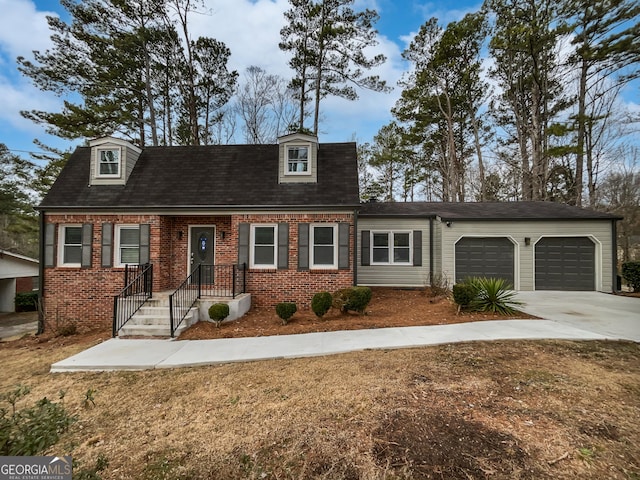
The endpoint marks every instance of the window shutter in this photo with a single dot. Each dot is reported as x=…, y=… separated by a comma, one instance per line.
x=87, y=240
x=49, y=245
x=343, y=245
x=417, y=248
x=243, y=243
x=107, y=245
x=283, y=246
x=145, y=243
x=303, y=246
x=365, y=248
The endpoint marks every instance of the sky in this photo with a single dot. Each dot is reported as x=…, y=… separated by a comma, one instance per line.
x=251, y=30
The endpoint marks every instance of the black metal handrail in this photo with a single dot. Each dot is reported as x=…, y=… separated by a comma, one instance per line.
x=209, y=281
x=133, y=296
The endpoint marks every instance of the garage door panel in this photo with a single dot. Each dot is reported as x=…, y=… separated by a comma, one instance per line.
x=565, y=263
x=484, y=257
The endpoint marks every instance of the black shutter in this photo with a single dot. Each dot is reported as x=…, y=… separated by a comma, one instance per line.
x=303, y=246
x=417, y=248
x=107, y=245
x=243, y=243
x=49, y=245
x=87, y=240
x=145, y=243
x=343, y=245
x=283, y=246
x=365, y=248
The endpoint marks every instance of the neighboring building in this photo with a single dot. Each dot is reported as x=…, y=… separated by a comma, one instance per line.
x=18, y=274
x=290, y=212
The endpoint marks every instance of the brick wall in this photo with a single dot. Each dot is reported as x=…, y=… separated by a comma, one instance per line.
x=85, y=295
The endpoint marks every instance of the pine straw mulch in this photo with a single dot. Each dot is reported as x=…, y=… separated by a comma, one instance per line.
x=389, y=307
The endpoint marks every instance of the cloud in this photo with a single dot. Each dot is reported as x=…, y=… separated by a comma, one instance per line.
x=23, y=28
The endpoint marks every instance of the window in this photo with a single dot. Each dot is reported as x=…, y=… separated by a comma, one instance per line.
x=70, y=245
x=263, y=246
x=323, y=246
x=109, y=162
x=391, y=248
x=127, y=245
x=297, y=160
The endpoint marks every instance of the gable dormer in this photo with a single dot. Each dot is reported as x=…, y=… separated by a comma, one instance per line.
x=112, y=161
x=298, y=158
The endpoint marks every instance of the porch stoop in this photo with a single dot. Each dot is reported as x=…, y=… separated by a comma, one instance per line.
x=154, y=320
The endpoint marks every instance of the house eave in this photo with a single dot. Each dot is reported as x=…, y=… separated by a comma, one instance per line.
x=193, y=208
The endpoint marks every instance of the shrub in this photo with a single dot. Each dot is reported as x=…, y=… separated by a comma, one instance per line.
x=631, y=273
x=353, y=299
x=463, y=294
x=30, y=431
x=26, y=302
x=321, y=303
x=493, y=295
x=285, y=311
x=218, y=312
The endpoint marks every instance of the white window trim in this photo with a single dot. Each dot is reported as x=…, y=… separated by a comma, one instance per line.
x=312, y=265
x=252, y=245
x=390, y=235
x=286, y=159
x=117, y=261
x=108, y=175
x=61, y=235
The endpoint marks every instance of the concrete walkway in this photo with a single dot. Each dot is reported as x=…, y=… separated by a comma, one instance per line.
x=566, y=315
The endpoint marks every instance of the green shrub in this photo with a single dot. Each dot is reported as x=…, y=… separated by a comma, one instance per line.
x=30, y=431
x=353, y=299
x=285, y=311
x=493, y=295
x=321, y=303
x=26, y=302
x=218, y=312
x=631, y=273
x=463, y=294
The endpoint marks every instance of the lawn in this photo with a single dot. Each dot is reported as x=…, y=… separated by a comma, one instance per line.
x=494, y=410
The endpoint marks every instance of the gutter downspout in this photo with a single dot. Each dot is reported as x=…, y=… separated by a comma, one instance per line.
x=614, y=256
x=355, y=247
x=41, y=275
x=431, y=272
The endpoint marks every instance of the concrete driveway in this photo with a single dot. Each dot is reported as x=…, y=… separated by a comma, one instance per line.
x=614, y=316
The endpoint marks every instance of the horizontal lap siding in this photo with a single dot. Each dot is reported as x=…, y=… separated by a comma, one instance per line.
x=394, y=275
x=518, y=230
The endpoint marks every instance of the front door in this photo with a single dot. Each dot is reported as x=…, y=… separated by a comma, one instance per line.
x=202, y=248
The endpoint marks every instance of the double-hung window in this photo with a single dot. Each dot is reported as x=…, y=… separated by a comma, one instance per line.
x=297, y=160
x=324, y=246
x=391, y=248
x=70, y=250
x=109, y=162
x=264, y=246
x=127, y=245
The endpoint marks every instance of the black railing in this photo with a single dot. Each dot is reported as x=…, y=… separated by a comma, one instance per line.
x=209, y=281
x=135, y=293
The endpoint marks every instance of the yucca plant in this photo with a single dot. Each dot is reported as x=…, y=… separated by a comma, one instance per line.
x=494, y=295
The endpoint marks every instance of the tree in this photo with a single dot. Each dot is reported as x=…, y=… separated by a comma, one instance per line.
x=328, y=39
x=606, y=37
x=388, y=156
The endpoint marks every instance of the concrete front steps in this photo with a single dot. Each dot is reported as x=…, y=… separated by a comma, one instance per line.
x=153, y=318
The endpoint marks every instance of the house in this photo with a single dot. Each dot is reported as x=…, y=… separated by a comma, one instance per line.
x=18, y=274
x=280, y=222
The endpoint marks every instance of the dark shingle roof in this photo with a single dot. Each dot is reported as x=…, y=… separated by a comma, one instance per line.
x=483, y=211
x=217, y=176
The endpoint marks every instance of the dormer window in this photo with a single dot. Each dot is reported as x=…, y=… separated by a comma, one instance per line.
x=109, y=162
x=297, y=160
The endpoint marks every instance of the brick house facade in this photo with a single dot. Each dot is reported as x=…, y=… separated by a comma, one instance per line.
x=240, y=193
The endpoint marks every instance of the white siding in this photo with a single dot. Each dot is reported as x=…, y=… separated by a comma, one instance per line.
x=394, y=275
x=598, y=230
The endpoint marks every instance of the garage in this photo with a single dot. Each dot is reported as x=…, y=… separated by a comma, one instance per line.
x=484, y=257
x=565, y=263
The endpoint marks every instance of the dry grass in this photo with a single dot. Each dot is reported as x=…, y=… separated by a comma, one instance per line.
x=496, y=410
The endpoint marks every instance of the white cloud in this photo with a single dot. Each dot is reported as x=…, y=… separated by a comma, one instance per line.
x=23, y=28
